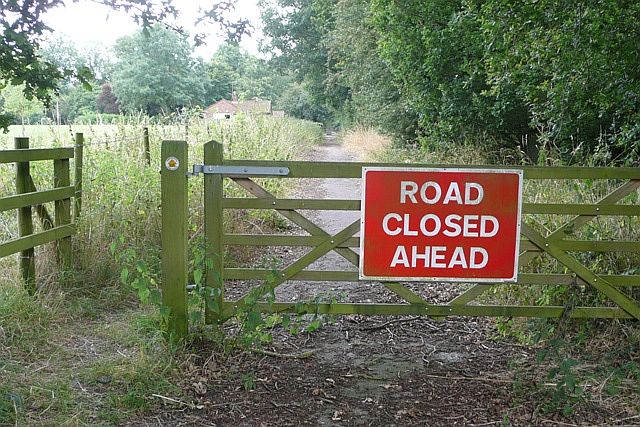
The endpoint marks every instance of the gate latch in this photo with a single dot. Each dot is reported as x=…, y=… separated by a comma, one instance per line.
x=237, y=171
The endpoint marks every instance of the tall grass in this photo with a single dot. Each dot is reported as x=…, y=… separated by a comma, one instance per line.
x=119, y=229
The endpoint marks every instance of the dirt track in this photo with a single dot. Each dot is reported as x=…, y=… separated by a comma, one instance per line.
x=366, y=371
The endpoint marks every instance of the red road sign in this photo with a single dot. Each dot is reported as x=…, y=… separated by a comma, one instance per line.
x=459, y=225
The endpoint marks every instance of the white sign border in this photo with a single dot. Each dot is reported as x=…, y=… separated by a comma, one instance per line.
x=512, y=279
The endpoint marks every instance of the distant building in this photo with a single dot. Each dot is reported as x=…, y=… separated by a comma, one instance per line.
x=225, y=109
x=278, y=113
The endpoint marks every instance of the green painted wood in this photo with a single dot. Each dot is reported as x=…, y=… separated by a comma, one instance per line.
x=405, y=293
x=567, y=279
x=309, y=169
x=304, y=261
x=37, y=198
x=580, y=209
x=622, y=300
x=295, y=217
x=62, y=178
x=282, y=240
x=305, y=275
x=471, y=294
x=213, y=231
x=77, y=177
x=41, y=210
x=531, y=279
x=354, y=205
x=442, y=310
x=37, y=239
x=35, y=154
x=25, y=221
x=147, y=146
x=174, y=236
x=311, y=204
x=586, y=246
x=579, y=221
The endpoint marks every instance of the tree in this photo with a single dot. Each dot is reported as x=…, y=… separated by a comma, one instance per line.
x=23, y=32
x=107, y=101
x=233, y=70
x=297, y=36
x=16, y=104
x=157, y=73
x=374, y=98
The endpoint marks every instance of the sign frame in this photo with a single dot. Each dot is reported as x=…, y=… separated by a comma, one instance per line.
x=512, y=279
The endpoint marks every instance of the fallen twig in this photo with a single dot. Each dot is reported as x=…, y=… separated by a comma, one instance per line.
x=304, y=355
x=391, y=322
x=172, y=400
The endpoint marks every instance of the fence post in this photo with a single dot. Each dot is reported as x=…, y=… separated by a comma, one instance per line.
x=174, y=201
x=78, y=156
x=25, y=220
x=62, y=178
x=147, y=148
x=213, y=230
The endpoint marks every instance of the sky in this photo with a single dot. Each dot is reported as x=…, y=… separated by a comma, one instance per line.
x=86, y=23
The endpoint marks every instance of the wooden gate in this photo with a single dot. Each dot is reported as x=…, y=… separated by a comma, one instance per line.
x=617, y=288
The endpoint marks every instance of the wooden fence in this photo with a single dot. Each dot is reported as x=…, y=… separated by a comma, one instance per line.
x=60, y=228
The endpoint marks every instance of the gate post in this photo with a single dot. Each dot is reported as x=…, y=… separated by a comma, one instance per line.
x=213, y=231
x=25, y=220
x=174, y=166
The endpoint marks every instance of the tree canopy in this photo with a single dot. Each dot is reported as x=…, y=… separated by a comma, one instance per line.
x=156, y=72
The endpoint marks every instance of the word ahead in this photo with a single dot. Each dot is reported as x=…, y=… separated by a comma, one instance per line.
x=440, y=224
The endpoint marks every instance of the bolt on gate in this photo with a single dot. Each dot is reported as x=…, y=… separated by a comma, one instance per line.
x=618, y=289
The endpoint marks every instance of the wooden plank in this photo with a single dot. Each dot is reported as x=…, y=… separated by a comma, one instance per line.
x=310, y=169
x=282, y=240
x=598, y=282
x=147, y=146
x=305, y=275
x=586, y=246
x=311, y=204
x=174, y=235
x=354, y=242
x=62, y=178
x=41, y=210
x=25, y=221
x=405, y=293
x=35, y=198
x=301, y=263
x=580, y=220
x=526, y=279
x=471, y=294
x=295, y=217
x=37, y=239
x=442, y=310
x=580, y=209
x=213, y=231
x=77, y=176
x=354, y=205
x=35, y=154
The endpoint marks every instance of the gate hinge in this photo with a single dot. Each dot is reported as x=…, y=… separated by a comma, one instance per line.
x=235, y=171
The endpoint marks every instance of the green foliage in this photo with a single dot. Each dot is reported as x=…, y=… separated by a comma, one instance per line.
x=374, y=99
x=156, y=72
x=16, y=104
x=524, y=72
x=297, y=32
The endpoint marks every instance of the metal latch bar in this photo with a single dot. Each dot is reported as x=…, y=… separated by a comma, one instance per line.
x=240, y=170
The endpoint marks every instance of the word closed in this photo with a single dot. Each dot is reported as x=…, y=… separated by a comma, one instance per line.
x=440, y=224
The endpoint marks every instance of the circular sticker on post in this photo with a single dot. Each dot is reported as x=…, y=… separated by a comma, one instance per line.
x=172, y=163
